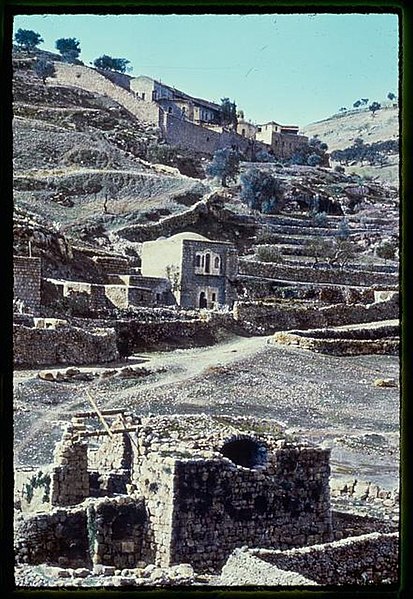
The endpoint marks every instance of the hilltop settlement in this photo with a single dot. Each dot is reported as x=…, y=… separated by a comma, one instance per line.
x=205, y=339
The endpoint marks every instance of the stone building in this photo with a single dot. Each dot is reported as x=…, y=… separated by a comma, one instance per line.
x=246, y=129
x=283, y=139
x=177, y=489
x=27, y=279
x=175, y=102
x=202, y=272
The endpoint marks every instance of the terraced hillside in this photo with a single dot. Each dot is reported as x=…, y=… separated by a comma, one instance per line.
x=80, y=156
x=86, y=179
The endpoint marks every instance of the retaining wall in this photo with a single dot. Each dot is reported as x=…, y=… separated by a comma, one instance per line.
x=272, y=270
x=272, y=317
x=64, y=345
x=182, y=133
x=362, y=560
x=91, y=80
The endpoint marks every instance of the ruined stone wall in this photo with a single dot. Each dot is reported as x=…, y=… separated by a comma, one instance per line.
x=154, y=477
x=113, y=453
x=70, y=478
x=91, y=80
x=274, y=270
x=273, y=317
x=27, y=277
x=58, y=538
x=220, y=506
x=362, y=560
x=118, y=532
x=65, y=345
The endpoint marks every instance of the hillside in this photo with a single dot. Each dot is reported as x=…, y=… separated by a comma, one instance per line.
x=340, y=130
x=91, y=175
x=80, y=154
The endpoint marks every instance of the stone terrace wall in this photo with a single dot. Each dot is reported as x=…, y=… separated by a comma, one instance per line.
x=383, y=340
x=27, y=277
x=366, y=559
x=137, y=335
x=92, y=81
x=272, y=317
x=272, y=270
x=220, y=506
x=65, y=345
x=259, y=288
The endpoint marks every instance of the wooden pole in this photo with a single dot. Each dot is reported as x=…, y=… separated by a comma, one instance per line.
x=103, y=421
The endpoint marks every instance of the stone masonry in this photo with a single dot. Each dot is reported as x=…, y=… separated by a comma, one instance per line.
x=199, y=487
x=27, y=277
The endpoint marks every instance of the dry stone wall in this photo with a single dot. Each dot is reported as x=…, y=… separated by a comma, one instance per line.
x=64, y=345
x=59, y=537
x=92, y=81
x=272, y=317
x=27, y=277
x=118, y=532
x=363, y=560
x=220, y=506
x=378, y=340
x=70, y=478
x=274, y=270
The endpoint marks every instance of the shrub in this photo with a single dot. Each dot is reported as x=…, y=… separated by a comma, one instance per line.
x=162, y=154
x=224, y=165
x=386, y=250
x=261, y=191
x=268, y=253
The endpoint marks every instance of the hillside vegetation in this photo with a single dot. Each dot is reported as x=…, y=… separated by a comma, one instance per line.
x=341, y=130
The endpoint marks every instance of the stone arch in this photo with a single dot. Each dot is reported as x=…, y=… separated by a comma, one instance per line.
x=245, y=451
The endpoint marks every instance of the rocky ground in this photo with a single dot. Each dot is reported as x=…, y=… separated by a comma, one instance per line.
x=326, y=399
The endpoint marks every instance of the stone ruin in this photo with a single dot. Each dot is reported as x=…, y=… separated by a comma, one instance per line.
x=171, y=490
x=211, y=494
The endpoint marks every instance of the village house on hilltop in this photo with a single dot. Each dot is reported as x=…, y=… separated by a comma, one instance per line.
x=176, y=102
x=281, y=140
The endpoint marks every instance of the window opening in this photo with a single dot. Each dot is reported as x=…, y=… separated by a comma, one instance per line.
x=208, y=263
x=245, y=452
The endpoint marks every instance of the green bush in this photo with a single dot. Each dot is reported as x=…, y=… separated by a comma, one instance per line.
x=268, y=253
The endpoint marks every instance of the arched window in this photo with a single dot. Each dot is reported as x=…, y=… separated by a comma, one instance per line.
x=208, y=263
x=198, y=260
x=217, y=262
